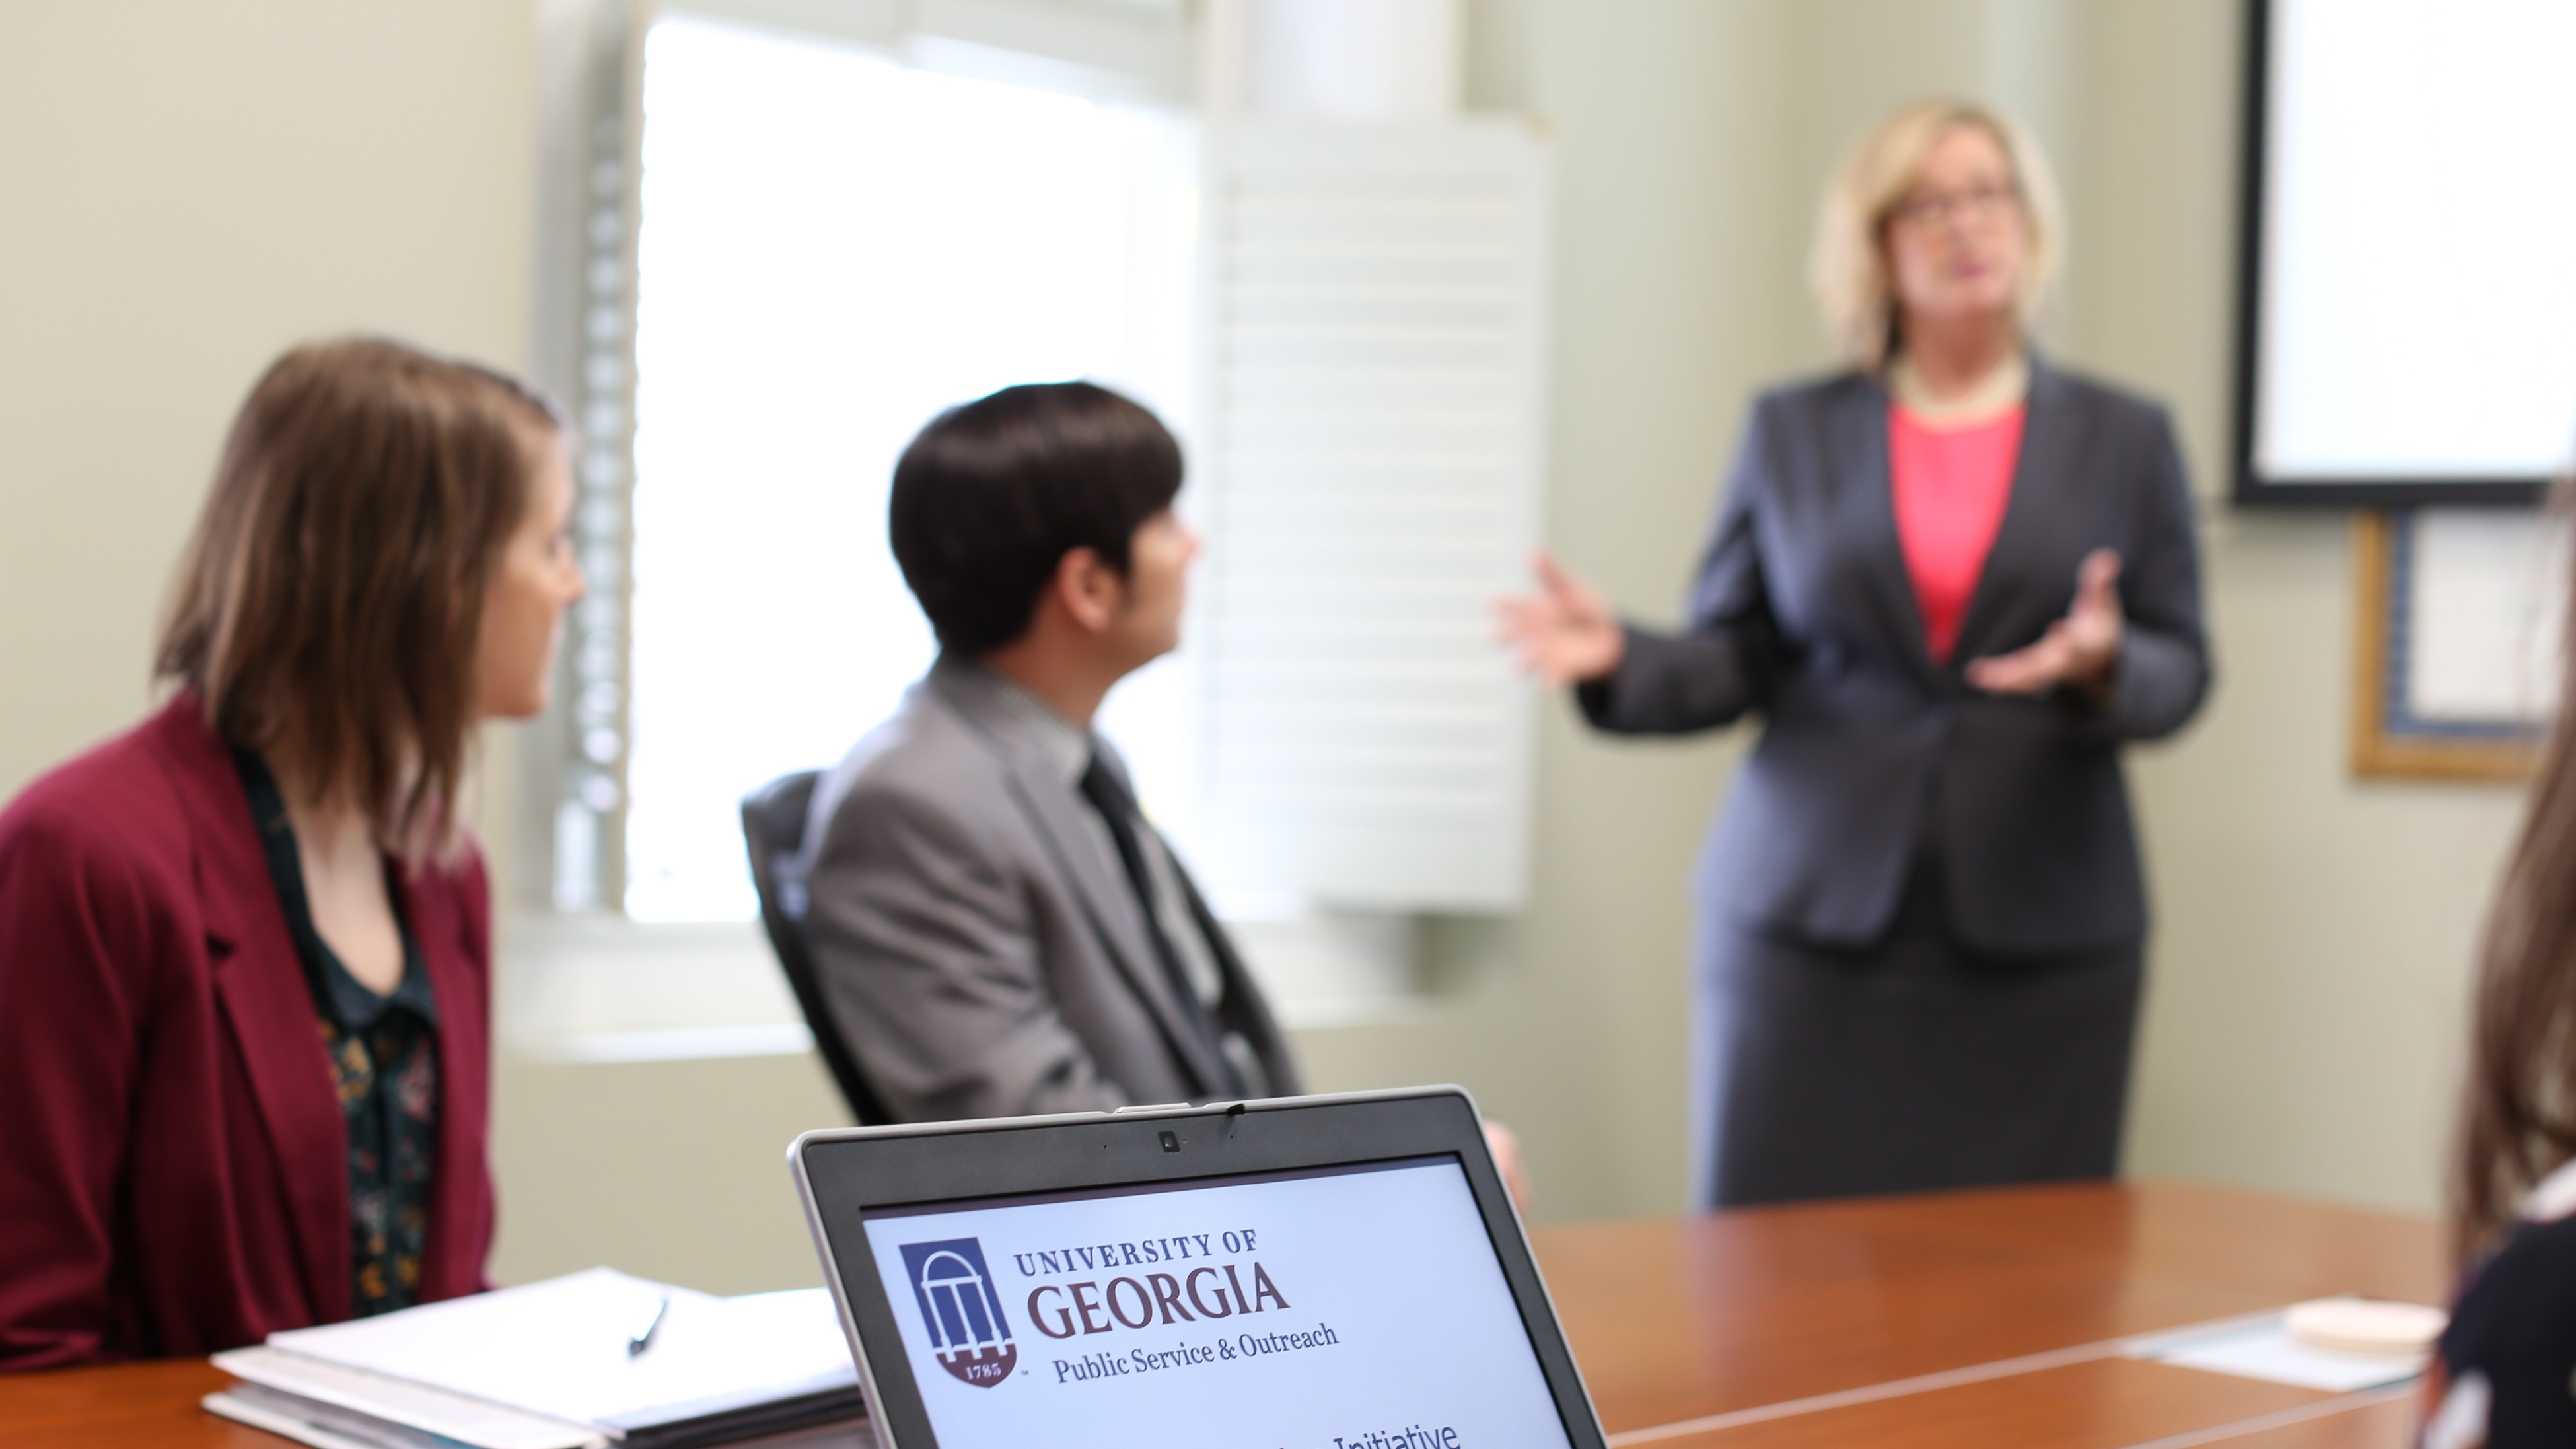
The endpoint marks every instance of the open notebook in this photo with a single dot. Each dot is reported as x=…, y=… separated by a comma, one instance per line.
x=546, y=1366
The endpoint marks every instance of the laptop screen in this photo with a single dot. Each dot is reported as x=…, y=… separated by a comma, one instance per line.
x=1350, y=1307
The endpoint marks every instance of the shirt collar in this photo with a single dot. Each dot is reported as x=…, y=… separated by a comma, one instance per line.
x=338, y=995
x=2004, y=389
x=1063, y=745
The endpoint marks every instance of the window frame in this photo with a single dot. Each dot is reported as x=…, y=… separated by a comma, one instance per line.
x=575, y=993
x=570, y=765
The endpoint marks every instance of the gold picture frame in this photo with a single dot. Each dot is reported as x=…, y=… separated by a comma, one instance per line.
x=2386, y=744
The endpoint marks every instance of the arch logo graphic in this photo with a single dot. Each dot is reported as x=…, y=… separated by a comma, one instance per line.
x=961, y=1309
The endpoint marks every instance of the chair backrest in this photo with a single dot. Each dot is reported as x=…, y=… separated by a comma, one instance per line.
x=773, y=826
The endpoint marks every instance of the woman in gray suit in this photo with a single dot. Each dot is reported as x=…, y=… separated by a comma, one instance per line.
x=1954, y=580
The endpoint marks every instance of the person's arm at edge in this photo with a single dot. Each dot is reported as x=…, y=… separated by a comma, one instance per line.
x=1723, y=664
x=2163, y=670
x=929, y=968
x=473, y=878
x=74, y=921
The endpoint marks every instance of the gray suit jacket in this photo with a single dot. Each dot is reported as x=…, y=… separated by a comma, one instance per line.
x=1871, y=751
x=980, y=953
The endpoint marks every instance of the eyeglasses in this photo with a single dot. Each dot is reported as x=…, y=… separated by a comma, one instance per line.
x=1977, y=203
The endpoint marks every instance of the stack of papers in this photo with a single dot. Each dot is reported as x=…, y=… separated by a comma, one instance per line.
x=2260, y=1347
x=546, y=1366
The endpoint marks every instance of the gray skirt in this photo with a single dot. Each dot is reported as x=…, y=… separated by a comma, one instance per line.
x=1912, y=1064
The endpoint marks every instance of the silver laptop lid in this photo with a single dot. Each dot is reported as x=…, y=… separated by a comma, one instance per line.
x=1336, y=1272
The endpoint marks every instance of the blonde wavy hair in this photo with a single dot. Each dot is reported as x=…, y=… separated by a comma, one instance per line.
x=1848, y=267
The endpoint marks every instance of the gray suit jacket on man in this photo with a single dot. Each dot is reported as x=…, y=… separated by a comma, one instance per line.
x=1871, y=750
x=980, y=950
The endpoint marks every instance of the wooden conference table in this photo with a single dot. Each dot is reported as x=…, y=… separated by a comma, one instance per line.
x=1976, y=1320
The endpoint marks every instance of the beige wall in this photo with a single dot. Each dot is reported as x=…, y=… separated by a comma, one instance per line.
x=186, y=194
x=187, y=188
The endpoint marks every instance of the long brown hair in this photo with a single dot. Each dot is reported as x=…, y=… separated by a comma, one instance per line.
x=2518, y=1114
x=328, y=606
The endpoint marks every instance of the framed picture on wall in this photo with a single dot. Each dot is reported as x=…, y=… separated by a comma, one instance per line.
x=2458, y=637
x=2378, y=365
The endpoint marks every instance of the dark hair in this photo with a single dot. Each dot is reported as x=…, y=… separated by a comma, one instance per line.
x=990, y=497
x=331, y=598
x=2518, y=1113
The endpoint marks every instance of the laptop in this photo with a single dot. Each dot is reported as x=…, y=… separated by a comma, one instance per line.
x=1340, y=1272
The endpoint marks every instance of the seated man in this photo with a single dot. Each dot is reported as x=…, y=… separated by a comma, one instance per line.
x=997, y=929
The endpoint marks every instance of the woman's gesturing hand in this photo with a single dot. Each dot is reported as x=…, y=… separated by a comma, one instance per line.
x=2077, y=652
x=1508, y=1162
x=1565, y=633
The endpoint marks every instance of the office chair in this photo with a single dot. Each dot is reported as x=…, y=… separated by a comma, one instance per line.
x=773, y=826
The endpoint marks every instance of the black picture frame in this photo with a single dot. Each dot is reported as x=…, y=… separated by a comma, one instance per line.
x=2249, y=487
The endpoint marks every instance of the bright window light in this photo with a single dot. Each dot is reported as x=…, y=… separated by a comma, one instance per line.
x=834, y=248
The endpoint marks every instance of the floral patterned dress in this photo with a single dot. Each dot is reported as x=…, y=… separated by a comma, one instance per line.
x=384, y=1060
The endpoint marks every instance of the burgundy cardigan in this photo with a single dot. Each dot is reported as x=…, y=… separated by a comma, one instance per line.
x=174, y=1174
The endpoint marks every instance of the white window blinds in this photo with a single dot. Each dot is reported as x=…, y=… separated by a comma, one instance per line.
x=1370, y=428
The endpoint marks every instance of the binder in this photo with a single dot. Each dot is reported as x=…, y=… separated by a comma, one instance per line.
x=548, y=1366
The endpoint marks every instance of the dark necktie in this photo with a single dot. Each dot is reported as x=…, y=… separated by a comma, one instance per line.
x=1117, y=808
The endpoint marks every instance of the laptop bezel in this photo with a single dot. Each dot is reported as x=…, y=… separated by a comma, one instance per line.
x=841, y=1174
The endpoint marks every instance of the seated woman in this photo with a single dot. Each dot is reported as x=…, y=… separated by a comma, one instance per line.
x=2502, y=1380
x=245, y=948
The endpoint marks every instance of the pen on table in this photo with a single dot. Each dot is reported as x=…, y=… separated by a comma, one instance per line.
x=643, y=1338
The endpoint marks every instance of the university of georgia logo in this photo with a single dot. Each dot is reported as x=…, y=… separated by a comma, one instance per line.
x=963, y=1312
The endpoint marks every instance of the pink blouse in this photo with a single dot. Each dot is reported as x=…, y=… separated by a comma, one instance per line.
x=1951, y=486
